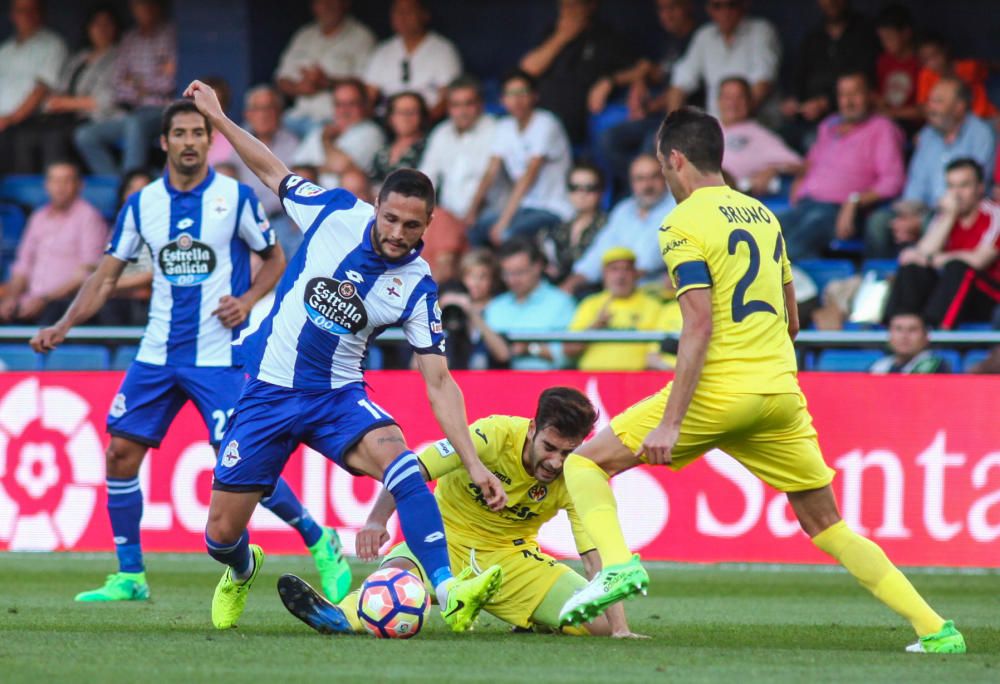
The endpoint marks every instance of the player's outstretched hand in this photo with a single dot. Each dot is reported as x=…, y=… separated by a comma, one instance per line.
x=628, y=634
x=231, y=311
x=370, y=539
x=205, y=99
x=658, y=445
x=489, y=485
x=47, y=339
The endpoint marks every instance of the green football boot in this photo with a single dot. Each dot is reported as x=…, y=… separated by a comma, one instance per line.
x=611, y=585
x=947, y=640
x=334, y=571
x=468, y=594
x=231, y=597
x=121, y=586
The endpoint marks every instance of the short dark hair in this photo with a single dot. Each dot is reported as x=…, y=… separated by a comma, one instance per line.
x=65, y=161
x=467, y=81
x=966, y=163
x=425, y=112
x=696, y=135
x=567, y=410
x=97, y=10
x=585, y=165
x=741, y=82
x=357, y=84
x=894, y=16
x=916, y=314
x=864, y=76
x=519, y=75
x=520, y=245
x=182, y=106
x=962, y=90
x=408, y=183
x=937, y=40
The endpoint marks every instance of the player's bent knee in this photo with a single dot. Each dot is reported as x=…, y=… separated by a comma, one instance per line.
x=816, y=509
x=122, y=458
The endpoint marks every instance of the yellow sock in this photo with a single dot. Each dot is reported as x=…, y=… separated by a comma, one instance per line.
x=868, y=563
x=350, y=607
x=595, y=504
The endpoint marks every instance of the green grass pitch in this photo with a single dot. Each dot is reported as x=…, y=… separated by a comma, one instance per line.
x=736, y=624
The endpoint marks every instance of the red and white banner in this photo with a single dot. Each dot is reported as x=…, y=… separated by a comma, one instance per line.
x=917, y=459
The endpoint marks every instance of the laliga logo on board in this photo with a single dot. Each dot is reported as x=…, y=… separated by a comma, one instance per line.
x=50, y=467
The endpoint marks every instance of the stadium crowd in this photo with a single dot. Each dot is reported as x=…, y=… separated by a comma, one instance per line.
x=879, y=150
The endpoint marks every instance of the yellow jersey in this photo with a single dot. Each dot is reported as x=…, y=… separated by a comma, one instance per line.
x=724, y=240
x=499, y=441
x=639, y=311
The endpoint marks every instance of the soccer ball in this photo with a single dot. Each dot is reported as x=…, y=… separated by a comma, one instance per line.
x=393, y=604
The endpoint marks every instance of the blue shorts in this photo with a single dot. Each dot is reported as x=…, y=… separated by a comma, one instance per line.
x=150, y=397
x=271, y=421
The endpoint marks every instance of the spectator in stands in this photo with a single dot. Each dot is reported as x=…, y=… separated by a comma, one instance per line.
x=462, y=310
x=936, y=58
x=897, y=68
x=85, y=92
x=566, y=243
x=732, y=44
x=952, y=274
x=145, y=80
x=530, y=304
x=952, y=132
x=843, y=43
x=262, y=107
x=531, y=146
x=221, y=151
x=350, y=140
x=856, y=163
x=408, y=119
x=755, y=156
x=357, y=183
x=129, y=305
x=415, y=59
x=634, y=223
x=30, y=62
x=619, y=306
x=647, y=84
x=333, y=47
x=577, y=53
x=910, y=347
x=61, y=245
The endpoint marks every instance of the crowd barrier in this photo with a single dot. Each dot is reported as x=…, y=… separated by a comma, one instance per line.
x=917, y=460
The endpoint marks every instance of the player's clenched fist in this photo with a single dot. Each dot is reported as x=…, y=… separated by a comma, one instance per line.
x=658, y=445
x=47, y=339
x=204, y=98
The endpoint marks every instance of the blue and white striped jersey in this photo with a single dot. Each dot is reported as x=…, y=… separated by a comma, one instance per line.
x=337, y=295
x=200, y=242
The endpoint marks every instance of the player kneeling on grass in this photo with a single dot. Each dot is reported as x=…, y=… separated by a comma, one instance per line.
x=527, y=455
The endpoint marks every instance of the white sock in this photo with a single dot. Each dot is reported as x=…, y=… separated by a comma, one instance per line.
x=242, y=577
x=442, y=592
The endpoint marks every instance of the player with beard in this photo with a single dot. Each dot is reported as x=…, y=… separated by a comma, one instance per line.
x=201, y=228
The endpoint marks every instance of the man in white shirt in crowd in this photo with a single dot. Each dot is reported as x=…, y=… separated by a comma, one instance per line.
x=530, y=144
x=348, y=142
x=30, y=62
x=332, y=47
x=732, y=44
x=414, y=59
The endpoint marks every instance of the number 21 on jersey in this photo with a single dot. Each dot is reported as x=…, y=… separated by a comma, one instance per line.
x=741, y=308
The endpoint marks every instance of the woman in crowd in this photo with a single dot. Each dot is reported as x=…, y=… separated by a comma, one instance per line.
x=567, y=242
x=408, y=119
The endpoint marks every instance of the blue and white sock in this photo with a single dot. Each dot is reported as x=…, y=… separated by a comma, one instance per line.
x=284, y=504
x=237, y=556
x=419, y=517
x=125, y=511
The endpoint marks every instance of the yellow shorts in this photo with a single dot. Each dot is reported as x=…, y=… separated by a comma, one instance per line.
x=771, y=434
x=528, y=575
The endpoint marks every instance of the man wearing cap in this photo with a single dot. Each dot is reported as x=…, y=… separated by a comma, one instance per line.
x=619, y=306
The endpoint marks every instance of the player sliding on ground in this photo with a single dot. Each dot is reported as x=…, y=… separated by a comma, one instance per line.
x=735, y=387
x=357, y=272
x=201, y=228
x=528, y=455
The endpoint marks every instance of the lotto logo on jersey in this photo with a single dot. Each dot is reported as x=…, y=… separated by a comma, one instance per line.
x=334, y=306
x=231, y=456
x=186, y=261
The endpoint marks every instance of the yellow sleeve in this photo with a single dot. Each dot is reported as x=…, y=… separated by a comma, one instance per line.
x=685, y=259
x=786, y=264
x=580, y=536
x=441, y=458
x=586, y=313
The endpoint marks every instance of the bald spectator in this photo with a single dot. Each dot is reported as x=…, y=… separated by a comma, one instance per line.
x=574, y=55
x=414, y=59
x=910, y=346
x=755, y=155
x=952, y=132
x=732, y=44
x=855, y=163
x=62, y=244
x=334, y=46
x=30, y=62
x=262, y=107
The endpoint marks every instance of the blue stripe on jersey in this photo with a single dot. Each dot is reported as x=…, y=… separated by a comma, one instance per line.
x=255, y=345
x=131, y=204
x=239, y=254
x=315, y=348
x=425, y=286
x=185, y=316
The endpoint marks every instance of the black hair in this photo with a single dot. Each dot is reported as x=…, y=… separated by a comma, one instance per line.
x=741, y=82
x=967, y=163
x=587, y=166
x=567, y=410
x=102, y=8
x=894, y=16
x=696, y=135
x=408, y=183
x=938, y=40
x=358, y=85
x=467, y=81
x=181, y=106
x=520, y=245
x=127, y=179
x=865, y=77
x=425, y=112
x=520, y=75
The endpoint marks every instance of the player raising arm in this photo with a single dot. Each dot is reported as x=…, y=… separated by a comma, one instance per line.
x=529, y=453
x=357, y=273
x=735, y=387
